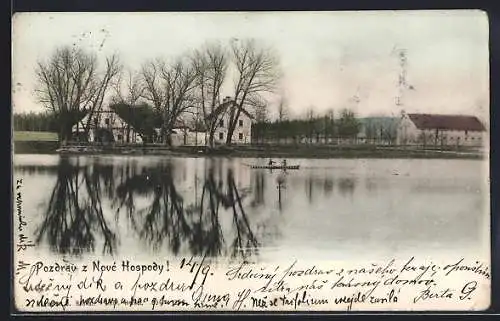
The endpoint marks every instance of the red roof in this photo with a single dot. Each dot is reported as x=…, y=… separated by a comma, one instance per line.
x=446, y=122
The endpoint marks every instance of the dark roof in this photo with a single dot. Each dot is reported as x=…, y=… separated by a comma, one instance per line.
x=224, y=106
x=446, y=122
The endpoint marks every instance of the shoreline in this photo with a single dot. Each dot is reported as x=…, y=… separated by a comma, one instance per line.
x=255, y=151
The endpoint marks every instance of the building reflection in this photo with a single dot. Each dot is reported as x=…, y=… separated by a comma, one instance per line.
x=345, y=186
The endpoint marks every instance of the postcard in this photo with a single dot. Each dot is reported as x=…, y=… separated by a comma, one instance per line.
x=251, y=161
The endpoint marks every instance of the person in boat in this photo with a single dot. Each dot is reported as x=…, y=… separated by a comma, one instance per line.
x=284, y=163
x=271, y=162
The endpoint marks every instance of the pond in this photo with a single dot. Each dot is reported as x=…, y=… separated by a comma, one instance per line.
x=151, y=206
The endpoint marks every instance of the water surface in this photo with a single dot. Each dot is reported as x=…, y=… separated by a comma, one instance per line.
x=155, y=206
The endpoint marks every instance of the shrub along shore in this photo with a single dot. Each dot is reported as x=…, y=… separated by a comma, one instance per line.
x=275, y=151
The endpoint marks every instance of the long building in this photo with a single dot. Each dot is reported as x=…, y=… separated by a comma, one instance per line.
x=434, y=129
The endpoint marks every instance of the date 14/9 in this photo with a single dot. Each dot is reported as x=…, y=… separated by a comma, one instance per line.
x=201, y=269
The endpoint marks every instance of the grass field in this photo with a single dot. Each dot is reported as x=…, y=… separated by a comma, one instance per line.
x=22, y=136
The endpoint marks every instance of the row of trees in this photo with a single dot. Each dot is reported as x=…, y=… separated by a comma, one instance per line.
x=70, y=83
x=316, y=128
x=40, y=122
x=310, y=128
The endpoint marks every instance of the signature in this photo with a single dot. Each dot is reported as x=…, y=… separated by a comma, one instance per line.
x=23, y=242
x=433, y=294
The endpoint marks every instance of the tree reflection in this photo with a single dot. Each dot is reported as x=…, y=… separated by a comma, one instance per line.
x=245, y=240
x=196, y=225
x=328, y=186
x=309, y=188
x=281, y=181
x=259, y=189
x=151, y=202
x=313, y=184
x=370, y=184
x=163, y=217
x=74, y=212
x=346, y=186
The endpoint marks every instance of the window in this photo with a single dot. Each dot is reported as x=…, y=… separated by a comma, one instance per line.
x=221, y=123
x=106, y=121
x=241, y=122
x=221, y=136
x=240, y=136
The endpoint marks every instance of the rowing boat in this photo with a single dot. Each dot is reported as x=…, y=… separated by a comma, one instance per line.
x=277, y=166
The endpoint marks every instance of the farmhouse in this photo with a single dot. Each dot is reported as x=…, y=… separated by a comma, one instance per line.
x=243, y=131
x=433, y=129
x=106, y=127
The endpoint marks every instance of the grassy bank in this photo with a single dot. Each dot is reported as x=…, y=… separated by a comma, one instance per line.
x=35, y=142
x=300, y=152
x=23, y=136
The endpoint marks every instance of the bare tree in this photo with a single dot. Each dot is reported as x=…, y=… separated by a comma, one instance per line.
x=128, y=90
x=261, y=111
x=282, y=115
x=310, y=123
x=282, y=109
x=99, y=89
x=170, y=89
x=211, y=63
x=370, y=130
x=70, y=85
x=256, y=73
x=330, y=127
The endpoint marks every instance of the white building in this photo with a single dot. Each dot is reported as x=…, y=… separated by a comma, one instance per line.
x=107, y=127
x=242, y=133
x=186, y=137
x=432, y=129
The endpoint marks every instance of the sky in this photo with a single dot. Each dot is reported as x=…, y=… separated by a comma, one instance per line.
x=329, y=60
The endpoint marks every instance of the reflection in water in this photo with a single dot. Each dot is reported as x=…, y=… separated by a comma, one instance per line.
x=328, y=186
x=151, y=203
x=346, y=186
x=158, y=206
x=260, y=187
x=309, y=188
x=281, y=180
x=370, y=185
x=74, y=213
x=163, y=217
